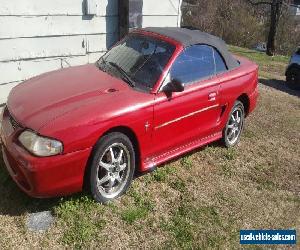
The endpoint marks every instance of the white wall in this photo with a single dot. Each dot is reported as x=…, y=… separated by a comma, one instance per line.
x=37, y=36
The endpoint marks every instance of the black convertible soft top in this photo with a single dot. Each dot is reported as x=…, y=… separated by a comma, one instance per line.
x=188, y=37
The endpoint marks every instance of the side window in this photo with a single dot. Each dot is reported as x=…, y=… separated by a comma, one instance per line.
x=194, y=63
x=220, y=64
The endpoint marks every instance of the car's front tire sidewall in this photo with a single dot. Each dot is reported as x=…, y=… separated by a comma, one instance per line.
x=105, y=142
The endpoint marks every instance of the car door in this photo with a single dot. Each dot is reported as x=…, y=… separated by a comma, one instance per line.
x=192, y=114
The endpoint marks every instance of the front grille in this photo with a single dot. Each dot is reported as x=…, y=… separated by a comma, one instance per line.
x=13, y=122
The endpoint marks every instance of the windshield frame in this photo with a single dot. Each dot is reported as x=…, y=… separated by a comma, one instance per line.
x=152, y=36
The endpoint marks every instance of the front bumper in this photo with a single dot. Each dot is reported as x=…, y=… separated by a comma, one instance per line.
x=42, y=177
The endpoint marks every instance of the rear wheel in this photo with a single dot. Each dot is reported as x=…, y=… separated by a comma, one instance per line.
x=293, y=78
x=112, y=167
x=232, y=131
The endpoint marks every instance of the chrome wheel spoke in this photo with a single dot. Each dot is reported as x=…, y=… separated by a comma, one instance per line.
x=231, y=133
x=232, y=118
x=106, y=178
x=231, y=126
x=118, y=178
x=236, y=116
x=112, y=155
x=123, y=166
x=111, y=183
x=120, y=156
x=106, y=166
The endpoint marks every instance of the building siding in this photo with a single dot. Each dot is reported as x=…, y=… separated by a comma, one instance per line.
x=38, y=36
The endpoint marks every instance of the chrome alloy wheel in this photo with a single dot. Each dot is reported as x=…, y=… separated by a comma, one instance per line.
x=235, y=125
x=113, y=170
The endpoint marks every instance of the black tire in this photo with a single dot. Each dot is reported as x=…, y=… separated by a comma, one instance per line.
x=293, y=78
x=231, y=125
x=98, y=173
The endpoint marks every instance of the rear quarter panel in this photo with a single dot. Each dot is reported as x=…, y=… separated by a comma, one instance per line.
x=239, y=81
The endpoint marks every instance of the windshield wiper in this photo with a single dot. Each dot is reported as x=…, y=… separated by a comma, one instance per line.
x=126, y=77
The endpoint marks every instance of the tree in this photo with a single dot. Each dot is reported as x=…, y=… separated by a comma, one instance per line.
x=235, y=21
x=275, y=13
x=242, y=24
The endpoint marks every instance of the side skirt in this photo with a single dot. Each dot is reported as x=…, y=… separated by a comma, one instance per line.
x=152, y=163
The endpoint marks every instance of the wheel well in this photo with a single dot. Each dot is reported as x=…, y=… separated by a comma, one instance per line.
x=246, y=102
x=132, y=137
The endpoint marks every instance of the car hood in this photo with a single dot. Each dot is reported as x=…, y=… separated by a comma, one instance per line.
x=42, y=99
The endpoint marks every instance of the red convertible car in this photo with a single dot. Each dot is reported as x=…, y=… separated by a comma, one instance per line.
x=158, y=93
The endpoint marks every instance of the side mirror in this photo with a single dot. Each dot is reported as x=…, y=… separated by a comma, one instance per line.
x=173, y=86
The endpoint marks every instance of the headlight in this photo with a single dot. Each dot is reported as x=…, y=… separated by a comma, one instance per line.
x=40, y=146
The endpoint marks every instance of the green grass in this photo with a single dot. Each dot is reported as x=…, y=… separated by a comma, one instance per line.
x=77, y=216
x=230, y=154
x=178, y=185
x=259, y=57
x=188, y=220
x=270, y=67
x=140, y=208
x=131, y=214
x=186, y=162
x=162, y=174
x=199, y=201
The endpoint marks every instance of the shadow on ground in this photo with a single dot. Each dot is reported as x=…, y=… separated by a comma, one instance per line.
x=279, y=85
x=14, y=202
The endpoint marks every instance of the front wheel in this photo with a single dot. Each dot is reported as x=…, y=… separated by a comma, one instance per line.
x=112, y=167
x=232, y=131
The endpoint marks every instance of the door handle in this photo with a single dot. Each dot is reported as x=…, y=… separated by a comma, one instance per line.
x=212, y=96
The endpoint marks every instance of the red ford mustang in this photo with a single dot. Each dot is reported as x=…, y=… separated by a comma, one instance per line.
x=158, y=93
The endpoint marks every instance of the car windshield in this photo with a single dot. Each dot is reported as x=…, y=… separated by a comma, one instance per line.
x=138, y=60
